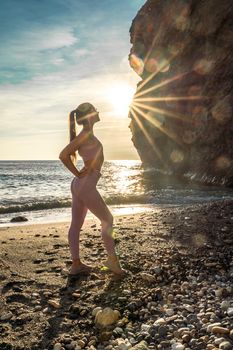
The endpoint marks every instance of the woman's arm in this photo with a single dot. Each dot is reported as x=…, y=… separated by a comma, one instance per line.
x=65, y=156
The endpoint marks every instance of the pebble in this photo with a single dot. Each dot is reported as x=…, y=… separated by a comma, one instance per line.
x=230, y=311
x=6, y=316
x=57, y=346
x=225, y=305
x=140, y=346
x=147, y=277
x=218, y=292
x=220, y=330
x=225, y=345
x=54, y=303
x=160, y=321
x=218, y=341
x=118, y=331
x=145, y=327
x=177, y=346
x=210, y=326
x=96, y=310
x=81, y=343
x=106, y=317
x=123, y=344
x=169, y=312
x=163, y=330
x=189, y=308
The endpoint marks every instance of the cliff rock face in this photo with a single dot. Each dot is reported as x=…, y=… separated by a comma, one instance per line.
x=181, y=115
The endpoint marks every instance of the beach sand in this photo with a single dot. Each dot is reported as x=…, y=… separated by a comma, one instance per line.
x=179, y=264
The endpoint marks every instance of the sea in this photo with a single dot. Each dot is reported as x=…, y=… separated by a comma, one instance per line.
x=40, y=190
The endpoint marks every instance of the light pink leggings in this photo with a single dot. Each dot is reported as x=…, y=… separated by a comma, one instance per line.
x=85, y=196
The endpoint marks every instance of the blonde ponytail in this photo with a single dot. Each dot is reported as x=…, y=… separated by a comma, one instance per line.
x=72, y=129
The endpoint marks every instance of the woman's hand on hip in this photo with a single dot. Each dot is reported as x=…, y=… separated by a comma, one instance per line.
x=83, y=172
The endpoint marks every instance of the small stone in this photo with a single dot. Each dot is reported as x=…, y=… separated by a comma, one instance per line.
x=157, y=270
x=159, y=321
x=230, y=311
x=177, y=346
x=218, y=292
x=6, y=316
x=218, y=341
x=163, y=330
x=96, y=310
x=91, y=342
x=118, y=331
x=57, y=346
x=140, y=346
x=64, y=272
x=225, y=345
x=106, y=317
x=210, y=326
x=54, y=303
x=220, y=330
x=76, y=295
x=145, y=327
x=81, y=343
x=189, y=308
x=225, y=304
x=185, y=285
x=169, y=312
x=123, y=344
x=147, y=277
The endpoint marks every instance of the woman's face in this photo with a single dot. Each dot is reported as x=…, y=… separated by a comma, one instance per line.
x=94, y=117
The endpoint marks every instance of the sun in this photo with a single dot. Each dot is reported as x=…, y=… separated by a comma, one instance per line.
x=121, y=96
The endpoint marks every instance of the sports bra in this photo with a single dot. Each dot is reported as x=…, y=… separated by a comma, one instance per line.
x=92, y=151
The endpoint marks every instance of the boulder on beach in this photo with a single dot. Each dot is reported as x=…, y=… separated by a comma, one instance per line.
x=19, y=219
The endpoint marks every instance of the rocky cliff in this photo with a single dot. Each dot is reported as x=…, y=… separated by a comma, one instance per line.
x=181, y=114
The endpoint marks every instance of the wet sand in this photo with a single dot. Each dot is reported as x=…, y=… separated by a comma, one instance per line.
x=179, y=264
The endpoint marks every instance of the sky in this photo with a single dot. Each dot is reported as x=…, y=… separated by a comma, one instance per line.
x=54, y=55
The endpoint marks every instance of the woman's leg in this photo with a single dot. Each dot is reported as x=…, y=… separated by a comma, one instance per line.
x=79, y=211
x=95, y=203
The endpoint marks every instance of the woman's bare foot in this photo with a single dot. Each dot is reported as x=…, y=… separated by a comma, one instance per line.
x=79, y=267
x=113, y=264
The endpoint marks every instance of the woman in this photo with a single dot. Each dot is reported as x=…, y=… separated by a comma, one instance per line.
x=83, y=187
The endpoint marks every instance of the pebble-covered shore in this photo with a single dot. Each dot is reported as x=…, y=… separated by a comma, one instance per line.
x=177, y=294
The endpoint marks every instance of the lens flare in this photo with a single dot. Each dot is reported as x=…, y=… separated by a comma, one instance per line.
x=222, y=111
x=177, y=156
x=136, y=63
x=203, y=66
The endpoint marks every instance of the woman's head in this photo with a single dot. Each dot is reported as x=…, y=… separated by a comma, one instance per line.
x=86, y=114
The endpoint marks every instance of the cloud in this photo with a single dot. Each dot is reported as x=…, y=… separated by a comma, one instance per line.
x=48, y=39
x=82, y=52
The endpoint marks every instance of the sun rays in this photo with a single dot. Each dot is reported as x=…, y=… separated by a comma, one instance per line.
x=148, y=114
x=162, y=115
